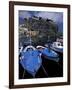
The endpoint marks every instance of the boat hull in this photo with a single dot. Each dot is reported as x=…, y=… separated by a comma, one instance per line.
x=49, y=54
x=56, y=59
x=31, y=61
x=60, y=51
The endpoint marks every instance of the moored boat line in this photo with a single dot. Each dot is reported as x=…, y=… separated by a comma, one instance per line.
x=31, y=58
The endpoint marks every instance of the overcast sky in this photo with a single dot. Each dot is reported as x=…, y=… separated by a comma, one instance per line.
x=56, y=16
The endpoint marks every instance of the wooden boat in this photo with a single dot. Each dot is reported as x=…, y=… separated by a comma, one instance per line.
x=30, y=60
x=48, y=53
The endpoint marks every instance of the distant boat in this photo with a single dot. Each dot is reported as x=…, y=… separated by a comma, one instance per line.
x=56, y=46
x=48, y=53
x=30, y=60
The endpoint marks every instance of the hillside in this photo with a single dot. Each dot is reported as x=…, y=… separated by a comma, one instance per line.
x=41, y=30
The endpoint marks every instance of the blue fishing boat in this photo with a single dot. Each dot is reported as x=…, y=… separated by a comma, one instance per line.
x=30, y=60
x=48, y=53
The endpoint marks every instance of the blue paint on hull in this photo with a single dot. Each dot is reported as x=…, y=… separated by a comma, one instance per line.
x=50, y=54
x=31, y=61
x=59, y=50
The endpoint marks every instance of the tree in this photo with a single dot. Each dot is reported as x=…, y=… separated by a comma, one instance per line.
x=46, y=27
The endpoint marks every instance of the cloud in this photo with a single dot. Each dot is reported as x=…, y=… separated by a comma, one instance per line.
x=24, y=14
x=56, y=16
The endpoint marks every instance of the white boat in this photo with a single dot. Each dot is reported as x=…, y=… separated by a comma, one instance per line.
x=56, y=46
